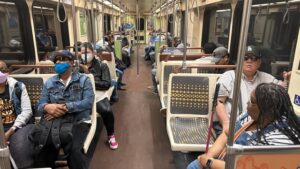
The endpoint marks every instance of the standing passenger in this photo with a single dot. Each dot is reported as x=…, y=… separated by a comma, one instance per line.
x=103, y=82
x=66, y=103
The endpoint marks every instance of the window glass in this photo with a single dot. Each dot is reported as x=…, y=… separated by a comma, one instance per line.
x=11, y=45
x=219, y=25
x=274, y=28
x=45, y=30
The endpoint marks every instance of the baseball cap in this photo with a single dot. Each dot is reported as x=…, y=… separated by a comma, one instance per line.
x=219, y=53
x=252, y=51
x=61, y=55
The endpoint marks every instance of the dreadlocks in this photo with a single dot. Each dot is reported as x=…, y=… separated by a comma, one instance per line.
x=273, y=100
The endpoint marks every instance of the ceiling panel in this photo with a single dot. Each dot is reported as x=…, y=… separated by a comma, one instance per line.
x=145, y=6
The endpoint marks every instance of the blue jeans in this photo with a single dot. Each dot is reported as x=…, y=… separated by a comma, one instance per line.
x=194, y=165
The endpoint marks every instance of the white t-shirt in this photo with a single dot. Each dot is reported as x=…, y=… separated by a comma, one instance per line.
x=247, y=86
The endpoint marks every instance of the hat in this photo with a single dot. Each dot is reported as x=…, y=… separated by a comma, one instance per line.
x=219, y=53
x=252, y=51
x=62, y=54
x=3, y=77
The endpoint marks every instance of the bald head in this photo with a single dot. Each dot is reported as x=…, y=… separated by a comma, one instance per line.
x=2, y=65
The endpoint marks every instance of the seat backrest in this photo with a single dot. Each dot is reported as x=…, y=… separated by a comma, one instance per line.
x=34, y=86
x=109, y=59
x=175, y=67
x=267, y=157
x=191, y=93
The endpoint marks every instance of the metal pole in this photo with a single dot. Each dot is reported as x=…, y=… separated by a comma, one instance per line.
x=173, y=20
x=74, y=28
x=186, y=21
x=93, y=24
x=112, y=16
x=238, y=75
x=103, y=25
x=160, y=22
x=4, y=151
x=138, y=37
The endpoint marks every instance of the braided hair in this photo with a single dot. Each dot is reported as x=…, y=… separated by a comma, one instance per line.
x=272, y=99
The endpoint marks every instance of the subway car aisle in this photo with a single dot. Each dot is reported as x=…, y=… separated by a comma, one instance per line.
x=139, y=126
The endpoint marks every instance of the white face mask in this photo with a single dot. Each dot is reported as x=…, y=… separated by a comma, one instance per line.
x=89, y=57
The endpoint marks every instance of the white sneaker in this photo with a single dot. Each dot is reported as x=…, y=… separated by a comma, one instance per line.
x=113, y=144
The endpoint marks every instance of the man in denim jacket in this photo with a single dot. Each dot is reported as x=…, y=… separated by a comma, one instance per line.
x=68, y=93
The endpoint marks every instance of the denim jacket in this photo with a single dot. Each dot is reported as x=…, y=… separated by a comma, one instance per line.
x=78, y=95
x=21, y=105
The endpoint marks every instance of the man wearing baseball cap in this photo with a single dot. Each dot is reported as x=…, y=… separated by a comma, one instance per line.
x=251, y=77
x=65, y=104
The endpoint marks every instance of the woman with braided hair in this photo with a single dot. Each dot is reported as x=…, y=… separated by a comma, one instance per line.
x=270, y=120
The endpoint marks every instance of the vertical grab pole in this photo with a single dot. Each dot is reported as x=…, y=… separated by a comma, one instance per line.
x=93, y=24
x=138, y=38
x=186, y=21
x=112, y=17
x=4, y=151
x=238, y=74
x=173, y=20
x=74, y=29
x=103, y=20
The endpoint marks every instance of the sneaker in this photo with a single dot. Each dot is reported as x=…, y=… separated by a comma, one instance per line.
x=150, y=87
x=113, y=144
x=154, y=91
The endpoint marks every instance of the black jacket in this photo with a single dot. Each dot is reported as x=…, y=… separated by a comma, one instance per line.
x=101, y=74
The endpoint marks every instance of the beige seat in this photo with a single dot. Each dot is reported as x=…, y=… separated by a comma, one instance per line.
x=188, y=111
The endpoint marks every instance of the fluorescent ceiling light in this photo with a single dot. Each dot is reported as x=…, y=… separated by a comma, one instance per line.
x=43, y=8
x=223, y=10
x=7, y=3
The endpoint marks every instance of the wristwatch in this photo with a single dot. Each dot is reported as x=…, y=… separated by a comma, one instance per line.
x=209, y=163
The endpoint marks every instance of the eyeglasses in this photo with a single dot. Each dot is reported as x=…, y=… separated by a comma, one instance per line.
x=253, y=58
x=61, y=59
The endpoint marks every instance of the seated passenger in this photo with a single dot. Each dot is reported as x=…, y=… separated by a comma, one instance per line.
x=16, y=112
x=220, y=56
x=209, y=47
x=251, y=77
x=270, y=120
x=66, y=103
x=102, y=82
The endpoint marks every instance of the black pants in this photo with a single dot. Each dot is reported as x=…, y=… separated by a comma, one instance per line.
x=103, y=107
x=76, y=159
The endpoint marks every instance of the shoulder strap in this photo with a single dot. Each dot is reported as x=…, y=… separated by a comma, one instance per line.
x=236, y=135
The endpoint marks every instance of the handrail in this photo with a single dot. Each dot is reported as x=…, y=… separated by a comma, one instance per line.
x=166, y=57
x=249, y=150
x=31, y=66
x=57, y=11
x=199, y=65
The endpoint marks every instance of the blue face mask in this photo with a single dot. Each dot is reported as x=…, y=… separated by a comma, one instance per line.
x=61, y=68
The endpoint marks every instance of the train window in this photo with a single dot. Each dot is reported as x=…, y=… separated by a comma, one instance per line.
x=274, y=28
x=107, y=23
x=44, y=18
x=218, y=20
x=11, y=45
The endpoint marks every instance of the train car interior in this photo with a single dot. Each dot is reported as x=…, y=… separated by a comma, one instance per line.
x=169, y=66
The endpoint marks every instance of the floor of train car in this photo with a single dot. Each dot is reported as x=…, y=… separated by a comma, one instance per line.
x=139, y=127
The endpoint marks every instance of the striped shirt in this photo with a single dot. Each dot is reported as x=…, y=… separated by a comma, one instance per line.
x=273, y=136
